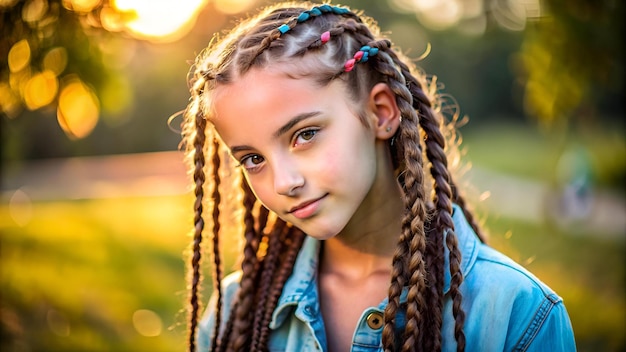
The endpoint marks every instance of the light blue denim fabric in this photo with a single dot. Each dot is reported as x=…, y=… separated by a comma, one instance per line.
x=506, y=307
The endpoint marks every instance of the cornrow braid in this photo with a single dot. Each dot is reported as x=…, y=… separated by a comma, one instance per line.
x=290, y=24
x=315, y=11
x=350, y=26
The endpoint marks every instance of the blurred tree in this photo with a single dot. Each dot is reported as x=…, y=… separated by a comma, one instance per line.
x=51, y=58
x=91, y=64
x=571, y=62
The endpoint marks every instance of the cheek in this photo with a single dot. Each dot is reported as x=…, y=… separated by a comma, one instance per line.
x=261, y=190
x=332, y=166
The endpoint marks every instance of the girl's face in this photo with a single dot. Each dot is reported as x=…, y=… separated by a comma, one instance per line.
x=306, y=154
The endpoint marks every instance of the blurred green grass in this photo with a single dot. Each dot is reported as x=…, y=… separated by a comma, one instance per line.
x=73, y=278
x=108, y=274
x=524, y=151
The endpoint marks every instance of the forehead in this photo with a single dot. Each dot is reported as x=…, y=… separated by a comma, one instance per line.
x=264, y=100
x=262, y=91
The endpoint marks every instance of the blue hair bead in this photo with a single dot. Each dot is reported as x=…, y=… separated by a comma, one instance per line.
x=365, y=56
x=303, y=17
x=365, y=48
x=315, y=11
x=373, y=51
x=284, y=28
x=326, y=8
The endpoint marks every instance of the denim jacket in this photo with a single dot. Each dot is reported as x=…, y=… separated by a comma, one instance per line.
x=506, y=307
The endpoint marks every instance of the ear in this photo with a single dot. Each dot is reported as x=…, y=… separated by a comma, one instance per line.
x=382, y=102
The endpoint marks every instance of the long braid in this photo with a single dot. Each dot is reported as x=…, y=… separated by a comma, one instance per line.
x=413, y=187
x=443, y=222
x=199, y=180
x=249, y=265
x=274, y=247
x=416, y=90
x=262, y=219
x=434, y=294
x=434, y=250
x=435, y=144
x=445, y=191
x=294, y=238
x=217, y=274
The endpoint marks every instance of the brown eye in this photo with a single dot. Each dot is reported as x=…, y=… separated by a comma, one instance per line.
x=308, y=135
x=252, y=162
x=305, y=136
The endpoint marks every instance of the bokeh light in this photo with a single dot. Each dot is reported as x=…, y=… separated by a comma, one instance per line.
x=147, y=322
x=19, y=56
x=78, y=109
x=58, y=322
x=21, y=208
x=81, y=5
x=55, y=60
x=40, y=90
x=160, y=20
x=34, y=10
x=469, y=15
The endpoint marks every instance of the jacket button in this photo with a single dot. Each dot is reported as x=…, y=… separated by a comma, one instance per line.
x=375, y=320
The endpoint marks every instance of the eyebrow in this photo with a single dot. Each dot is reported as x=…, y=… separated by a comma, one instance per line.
x=282, y=130
x=289, y=125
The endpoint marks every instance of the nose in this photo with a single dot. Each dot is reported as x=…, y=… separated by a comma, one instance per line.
x=287, y=179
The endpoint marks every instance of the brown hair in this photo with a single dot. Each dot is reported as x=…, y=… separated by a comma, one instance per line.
x=271, y=245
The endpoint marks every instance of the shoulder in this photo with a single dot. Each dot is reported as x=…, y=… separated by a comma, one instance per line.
x=506, y=306
x=513, y=302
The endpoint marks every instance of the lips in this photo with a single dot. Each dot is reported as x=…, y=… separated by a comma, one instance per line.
x=306, y=209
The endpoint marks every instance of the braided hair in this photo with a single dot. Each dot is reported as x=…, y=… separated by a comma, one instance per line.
x=325, y=43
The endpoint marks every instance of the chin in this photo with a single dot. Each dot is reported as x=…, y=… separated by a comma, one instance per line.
x=320, y=232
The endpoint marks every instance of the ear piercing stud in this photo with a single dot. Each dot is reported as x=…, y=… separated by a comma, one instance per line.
x=388, y=129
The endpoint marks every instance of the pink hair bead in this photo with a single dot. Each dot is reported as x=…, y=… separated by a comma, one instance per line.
x=349, y=65
x=325, y=37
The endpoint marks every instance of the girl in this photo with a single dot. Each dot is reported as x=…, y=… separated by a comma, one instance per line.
x=349, y=246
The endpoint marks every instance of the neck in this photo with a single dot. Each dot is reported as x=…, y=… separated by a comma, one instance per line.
x=367, y=243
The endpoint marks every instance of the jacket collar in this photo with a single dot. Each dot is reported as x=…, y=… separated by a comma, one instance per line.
x=300, y=288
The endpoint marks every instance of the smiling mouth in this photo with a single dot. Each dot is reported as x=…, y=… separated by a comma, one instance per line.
x=306, y=209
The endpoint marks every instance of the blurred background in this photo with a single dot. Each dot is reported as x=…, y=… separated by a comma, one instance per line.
x=96, y=215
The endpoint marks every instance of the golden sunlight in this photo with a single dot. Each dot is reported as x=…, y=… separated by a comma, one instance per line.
x=160, y=20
